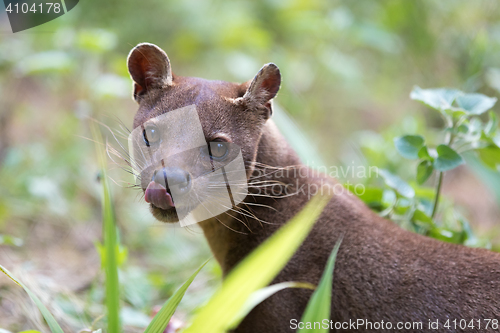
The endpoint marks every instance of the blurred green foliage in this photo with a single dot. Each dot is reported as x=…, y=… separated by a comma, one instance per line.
x=416, y=207
x=347, y=69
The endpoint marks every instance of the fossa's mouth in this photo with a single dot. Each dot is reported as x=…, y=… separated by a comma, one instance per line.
x=162, y=204
x=157, y=195
x=164, y=215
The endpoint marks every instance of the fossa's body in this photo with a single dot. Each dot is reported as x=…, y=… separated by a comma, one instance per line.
x=382, y=273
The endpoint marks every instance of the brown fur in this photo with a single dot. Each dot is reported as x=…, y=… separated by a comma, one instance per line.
x=382, y=272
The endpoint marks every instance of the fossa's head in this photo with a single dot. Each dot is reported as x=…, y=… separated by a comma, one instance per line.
x=230, y=115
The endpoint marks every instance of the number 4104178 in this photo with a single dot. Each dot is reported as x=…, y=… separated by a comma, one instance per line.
x=472, y=324
x=25, y=8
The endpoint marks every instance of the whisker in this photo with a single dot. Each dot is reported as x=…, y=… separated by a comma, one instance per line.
x=240, y=232
x=237, y=219
x=260, y=205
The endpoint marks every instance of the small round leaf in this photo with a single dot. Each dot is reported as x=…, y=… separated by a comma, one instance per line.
x=424, y=171
x=397, y=184
x=475, y=103
x=408, y=146
x=423, y=153
x=447, y=158
x=439, y=99
x=490, y=156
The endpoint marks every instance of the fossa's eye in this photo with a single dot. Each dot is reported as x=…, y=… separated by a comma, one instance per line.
x=151, y=135
x=218, y=150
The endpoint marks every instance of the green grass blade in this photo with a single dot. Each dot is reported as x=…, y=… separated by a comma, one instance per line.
x=260, y=295
x=160, y=321
x=256, y=271
x=319, y=305
x=110, y=241
x=54, y=326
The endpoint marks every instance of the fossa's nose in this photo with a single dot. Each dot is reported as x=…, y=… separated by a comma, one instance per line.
x=167, y=183
x=173, y=178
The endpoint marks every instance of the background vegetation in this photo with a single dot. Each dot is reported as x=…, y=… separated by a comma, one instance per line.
x=348, y=68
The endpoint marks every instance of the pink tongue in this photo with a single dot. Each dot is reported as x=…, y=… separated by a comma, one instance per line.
x=158, y=196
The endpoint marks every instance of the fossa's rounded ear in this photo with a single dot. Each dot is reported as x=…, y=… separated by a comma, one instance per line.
x=149, y=67
x=263, y=87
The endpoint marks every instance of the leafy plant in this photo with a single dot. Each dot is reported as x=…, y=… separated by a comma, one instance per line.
x=160, y=321
x=110, y=242
x=464, y=133
x=54, y=326
x=109, y=252
x=243, y=289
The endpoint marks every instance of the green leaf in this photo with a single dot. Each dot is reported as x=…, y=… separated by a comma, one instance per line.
x=475, y=103
x=475, y=127
x=402, y=206
x=260, y=295
x=447, y=158
x=424, y=171
x=397, y=184
x=490, y=156
x=423, y=153
x=256, y=271
x=496, y=140
x=160, y=321
x=408, y=146
x=110, y=240
x=319, y=305
x=446, y=235
x=464, y=128
x=420, y=215
x=389, y=198
x=492, y=125
x=371, y=195
x=121, y=253
x=54, y=326
x=439, y=99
